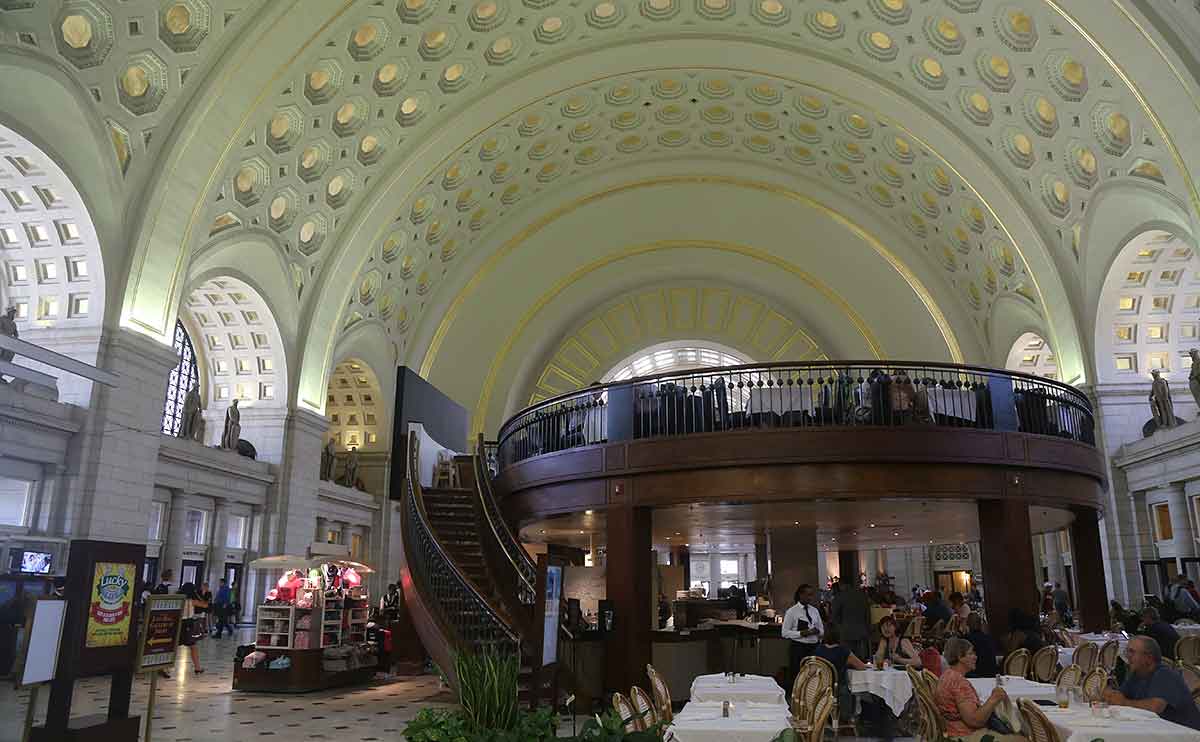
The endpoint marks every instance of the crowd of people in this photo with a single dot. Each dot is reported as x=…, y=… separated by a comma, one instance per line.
x=956, y=645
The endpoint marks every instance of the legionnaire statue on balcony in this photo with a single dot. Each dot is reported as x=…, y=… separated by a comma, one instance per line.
x=190, y=425
x=8, y=326
x=327, y=461
x=1161, y=406
x=1194, y=375
x=350, y=475
x=233, y=427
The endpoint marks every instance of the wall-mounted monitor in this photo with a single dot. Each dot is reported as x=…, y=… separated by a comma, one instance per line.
x=32, y=562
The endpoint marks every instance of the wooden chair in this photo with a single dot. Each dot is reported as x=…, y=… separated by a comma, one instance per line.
x=628, y=714
x=1109, y=652
x=915, y=626
x=1191, y=676
x=1187, y=650
x=1094, y=683
x=1085, y=656
x=938, y=630
x=930, y=722
x=643, y=707
x=816, y=684
x=822, y=714
x=1045, y=664
x=1017, y=663
x=797, y=698
x=445, y=473
x=1037, y=727
x=1070, y=677
x=662, y=694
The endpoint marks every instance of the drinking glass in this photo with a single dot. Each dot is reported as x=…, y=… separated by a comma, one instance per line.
x=1063, y=697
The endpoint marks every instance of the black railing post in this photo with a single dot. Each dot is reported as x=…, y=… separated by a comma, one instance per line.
x=1004, y=407
x=620, y=412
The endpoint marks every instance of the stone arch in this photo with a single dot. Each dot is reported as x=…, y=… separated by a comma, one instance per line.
x=366, y=364
x=241, y=355
x=51, y=259
x=1031, y=354
x=1148, y=314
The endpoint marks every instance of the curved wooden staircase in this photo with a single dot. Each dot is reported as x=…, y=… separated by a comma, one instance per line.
x=468, y=582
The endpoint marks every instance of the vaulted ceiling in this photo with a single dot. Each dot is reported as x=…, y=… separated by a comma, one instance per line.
x=468, y=184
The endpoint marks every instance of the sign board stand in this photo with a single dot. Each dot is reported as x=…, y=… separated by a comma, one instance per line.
x=43, y=638
x=99, y=637
x=156, y=647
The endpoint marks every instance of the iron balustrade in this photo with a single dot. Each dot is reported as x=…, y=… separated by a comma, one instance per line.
x=524, y=572
x=474, y=624
x=787, y=395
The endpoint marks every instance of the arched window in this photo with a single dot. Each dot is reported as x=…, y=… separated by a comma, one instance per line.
x=675, y=356
x=183, y=378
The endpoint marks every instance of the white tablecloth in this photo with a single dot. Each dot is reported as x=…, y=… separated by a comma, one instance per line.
x=1188, y=630
x=702, y=722
x=951, y=402
x=1016, y=688
x=895, y=688
x=1135, y=725
x=1066, y=654
x=781, y=399
x=752, y=688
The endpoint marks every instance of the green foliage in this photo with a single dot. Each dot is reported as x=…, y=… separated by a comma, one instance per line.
x=610, y=728
x=487, y=689
x=453, y=725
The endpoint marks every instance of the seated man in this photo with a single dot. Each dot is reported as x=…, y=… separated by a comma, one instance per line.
x=1152, y=686
x=1160, y=631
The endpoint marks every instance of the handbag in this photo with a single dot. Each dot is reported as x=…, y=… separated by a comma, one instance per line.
x=1005, y=719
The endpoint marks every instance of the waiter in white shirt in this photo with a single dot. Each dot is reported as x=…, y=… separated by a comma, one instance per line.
x=803, y=626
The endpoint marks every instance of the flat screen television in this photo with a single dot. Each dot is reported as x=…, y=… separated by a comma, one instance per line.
x=35, y=562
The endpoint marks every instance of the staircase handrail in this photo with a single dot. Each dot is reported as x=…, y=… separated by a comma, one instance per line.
x=522, y=564
x=451, y=583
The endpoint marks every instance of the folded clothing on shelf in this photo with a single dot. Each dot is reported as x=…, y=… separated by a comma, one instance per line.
x=304, y=622
x=282, y=662
x=303, y=640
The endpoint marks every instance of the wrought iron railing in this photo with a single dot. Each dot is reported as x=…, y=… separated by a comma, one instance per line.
x=810, y=394
x=474, y=624
x=521, y=571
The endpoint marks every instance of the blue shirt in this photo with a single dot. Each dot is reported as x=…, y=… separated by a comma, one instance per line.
x=1167, y=684
x=224, y=596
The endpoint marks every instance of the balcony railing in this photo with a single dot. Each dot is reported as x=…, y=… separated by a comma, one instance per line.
x=821, y=394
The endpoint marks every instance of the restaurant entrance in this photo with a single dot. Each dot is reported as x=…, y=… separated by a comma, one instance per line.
x=958, y=581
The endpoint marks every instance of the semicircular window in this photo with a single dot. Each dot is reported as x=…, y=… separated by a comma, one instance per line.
x=183, y=377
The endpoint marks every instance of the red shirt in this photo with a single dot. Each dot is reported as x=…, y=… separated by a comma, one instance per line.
x=953, y=687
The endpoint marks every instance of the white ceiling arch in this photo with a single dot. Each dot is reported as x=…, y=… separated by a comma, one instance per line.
x=1031, y=354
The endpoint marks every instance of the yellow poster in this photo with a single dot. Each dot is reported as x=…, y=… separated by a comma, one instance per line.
x=109, y=614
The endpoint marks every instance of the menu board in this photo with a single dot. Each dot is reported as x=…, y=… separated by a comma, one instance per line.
x=111, y=606
x=164, y=616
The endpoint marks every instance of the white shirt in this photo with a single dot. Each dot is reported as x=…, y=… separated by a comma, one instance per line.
x=791, y=623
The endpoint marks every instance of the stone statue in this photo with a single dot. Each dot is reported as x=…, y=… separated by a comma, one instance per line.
x=350, y=475
x=327, y=461
x=8, y=326
x=1161, y=405
x=192, y=419
x=1194, y=376
x=233, y=427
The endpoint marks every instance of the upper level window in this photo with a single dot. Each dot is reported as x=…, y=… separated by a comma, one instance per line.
x=183, y=378
x=674, y=357
x=235, y=534
x=193, y=526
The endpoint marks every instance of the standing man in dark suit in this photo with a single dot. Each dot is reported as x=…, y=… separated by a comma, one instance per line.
x=852, y=614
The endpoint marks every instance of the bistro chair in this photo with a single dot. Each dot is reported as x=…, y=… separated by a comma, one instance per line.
x=1017, y=663
x=1093, y=684
x=822, y=714
x=1187, y=650
x=1045, y=664
x=1069, y=677
x=1191, y=676
x=798, y=699
x=662, y=694
x=643, y=707
x=627, y=713
x=1109, y=652
x=1085, y=656
x=1037, y=727
x=931, y=725
x=915, y=626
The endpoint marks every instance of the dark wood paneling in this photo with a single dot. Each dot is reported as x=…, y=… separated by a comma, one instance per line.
x=790, y=464
x=1089, y=577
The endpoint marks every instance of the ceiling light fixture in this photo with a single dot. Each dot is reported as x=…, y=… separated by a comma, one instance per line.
x=588, y=512
x=872, y=525
x=581, y=533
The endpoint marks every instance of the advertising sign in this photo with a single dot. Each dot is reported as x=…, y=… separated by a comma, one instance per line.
x=160, y=635
x=111, y=606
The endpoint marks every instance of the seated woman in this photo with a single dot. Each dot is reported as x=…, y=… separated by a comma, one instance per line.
x=896, y=649
x=831, y=650
x=985, y=649
x=966, y=717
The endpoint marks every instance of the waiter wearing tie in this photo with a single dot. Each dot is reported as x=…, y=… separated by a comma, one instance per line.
x=802, y=625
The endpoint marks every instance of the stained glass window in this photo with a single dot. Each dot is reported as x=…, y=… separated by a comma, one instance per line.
x=183, y=378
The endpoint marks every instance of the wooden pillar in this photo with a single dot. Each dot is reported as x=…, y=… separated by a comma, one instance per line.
x=848, y=567
x=761, y=570
x=1006, y=547
x=627, y=646
x=681, y=556
x=1092, y=592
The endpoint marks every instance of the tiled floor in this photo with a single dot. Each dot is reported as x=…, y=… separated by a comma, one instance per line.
x=204, y=708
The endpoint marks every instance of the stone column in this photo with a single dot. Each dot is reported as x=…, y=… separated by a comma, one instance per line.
x=172, y=548
x=628, y=577
x=291, y=504
x=1092, y=594
x=113, y=459
x=1054, y=558
x=343, y=536
x=793, y=562
x=250, y=589
x=1007, y=555
x=1181, y=522
x=321, y=534
x=216, y=543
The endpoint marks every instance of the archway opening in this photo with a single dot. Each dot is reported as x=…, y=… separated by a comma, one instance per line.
x=1031, y=354
x=678, y=355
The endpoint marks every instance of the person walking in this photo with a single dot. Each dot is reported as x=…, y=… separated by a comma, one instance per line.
x=189, y=630
x=852, y=614
x=222, y=607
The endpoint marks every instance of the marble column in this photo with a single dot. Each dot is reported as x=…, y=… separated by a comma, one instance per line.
x=1054, y=558
x=214, y=557
x=321, y=535
x=291, y=503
